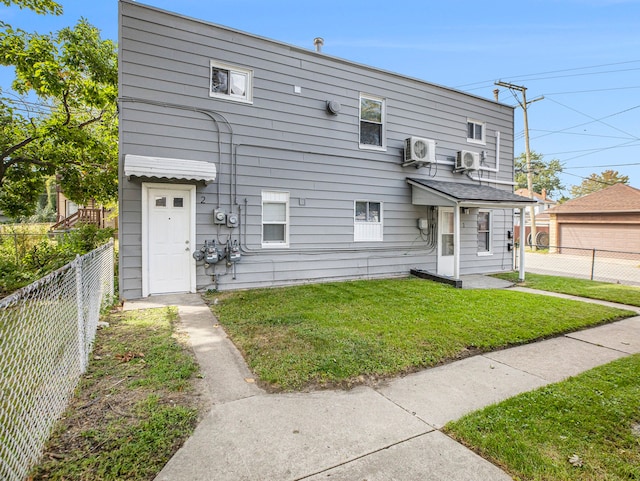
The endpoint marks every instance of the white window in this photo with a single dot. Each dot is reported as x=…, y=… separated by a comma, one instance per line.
x=231, y=83
x=484, y=232
x=367, y=226
x=275, y=219
x=372, y=123
x=476, y=132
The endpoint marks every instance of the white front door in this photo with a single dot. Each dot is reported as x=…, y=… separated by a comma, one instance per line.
x=169, y=266
x=446, y=247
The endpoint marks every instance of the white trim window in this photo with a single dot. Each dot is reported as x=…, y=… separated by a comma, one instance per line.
x=367, y=221
x=372, y=122
x=476, y=131
x=484, y=233
x=275, y=219
x=230, y=83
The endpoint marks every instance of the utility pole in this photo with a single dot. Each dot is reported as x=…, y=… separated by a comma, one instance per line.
x=527, y=152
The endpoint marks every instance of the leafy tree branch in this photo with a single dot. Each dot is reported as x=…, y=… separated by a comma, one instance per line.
x=71, y=78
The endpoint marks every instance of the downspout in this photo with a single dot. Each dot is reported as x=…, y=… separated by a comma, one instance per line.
x=492, y=169
x=522, y=246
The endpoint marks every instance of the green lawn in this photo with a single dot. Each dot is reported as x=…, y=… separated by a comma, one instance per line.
x=343, y=333
x=585, y=428
x=579, y=287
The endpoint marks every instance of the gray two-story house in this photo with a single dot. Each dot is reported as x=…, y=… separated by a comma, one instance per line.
x=247, y=162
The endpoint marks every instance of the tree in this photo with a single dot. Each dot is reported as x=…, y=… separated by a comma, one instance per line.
x=38, y=6
x=545, y=174
x=63, y=120
x=597, y=182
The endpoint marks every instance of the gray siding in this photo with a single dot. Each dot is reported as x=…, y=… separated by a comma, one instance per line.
x=288, y=142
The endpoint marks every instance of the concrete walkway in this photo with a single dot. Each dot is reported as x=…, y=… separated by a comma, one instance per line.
x=387, y=433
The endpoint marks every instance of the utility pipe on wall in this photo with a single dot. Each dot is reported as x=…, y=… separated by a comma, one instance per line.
x=522, y=246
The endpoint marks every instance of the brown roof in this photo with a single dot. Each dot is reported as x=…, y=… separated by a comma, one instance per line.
x=540, y=197
x=617, y=198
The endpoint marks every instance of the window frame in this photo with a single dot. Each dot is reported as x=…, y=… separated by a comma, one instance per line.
x=275, y=197
x=232, y=69
x=483, y=138
x=367, y=230
x=488, y=233
x=383, y=122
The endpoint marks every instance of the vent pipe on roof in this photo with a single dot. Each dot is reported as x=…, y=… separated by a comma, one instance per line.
x=318, y=42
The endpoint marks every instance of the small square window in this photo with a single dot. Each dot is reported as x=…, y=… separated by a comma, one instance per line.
x=178, y=202
x=161, y=201
x=476, y=132
x=230, y=83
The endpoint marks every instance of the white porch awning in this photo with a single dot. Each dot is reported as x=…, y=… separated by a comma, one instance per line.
x=171, y=169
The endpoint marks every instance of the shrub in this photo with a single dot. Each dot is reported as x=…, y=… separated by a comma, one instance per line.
x=27, y=256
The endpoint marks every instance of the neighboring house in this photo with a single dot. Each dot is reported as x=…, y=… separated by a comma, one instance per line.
x=543, y=203
x=69, y=214
x=247, y=162
x=608, y=219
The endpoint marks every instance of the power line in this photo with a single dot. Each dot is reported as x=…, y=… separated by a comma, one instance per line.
x=599, y=166
x=490, y=82
x=626, y=144
x=577, y=133
x=593, y=90
x=588, y=151
x=576, y=75
x=631, y=136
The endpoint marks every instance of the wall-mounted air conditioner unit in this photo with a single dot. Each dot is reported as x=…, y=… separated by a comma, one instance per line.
x=467, y=160
x=419, y=151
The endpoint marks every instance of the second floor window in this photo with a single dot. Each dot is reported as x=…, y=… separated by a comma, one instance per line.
x=231, y=83
x=475, y=132
x=372, y=128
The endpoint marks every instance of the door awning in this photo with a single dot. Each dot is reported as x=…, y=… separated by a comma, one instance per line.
x=145, y=167
x=436, y=192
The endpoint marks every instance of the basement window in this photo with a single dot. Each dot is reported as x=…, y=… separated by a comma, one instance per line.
x=230, y=83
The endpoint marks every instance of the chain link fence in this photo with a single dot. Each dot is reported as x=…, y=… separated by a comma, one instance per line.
x=47, y=331
x=595, y=264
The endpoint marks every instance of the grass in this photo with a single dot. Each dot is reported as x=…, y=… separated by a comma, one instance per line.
x=134, y=407
x=585, y=428
x=579, y=287
x=340, y=334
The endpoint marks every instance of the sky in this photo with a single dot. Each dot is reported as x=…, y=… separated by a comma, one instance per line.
x=582, y=56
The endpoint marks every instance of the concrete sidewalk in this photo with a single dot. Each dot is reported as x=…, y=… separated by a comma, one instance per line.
x=387, y=433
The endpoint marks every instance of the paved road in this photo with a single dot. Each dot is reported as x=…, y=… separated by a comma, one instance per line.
x=622, y=271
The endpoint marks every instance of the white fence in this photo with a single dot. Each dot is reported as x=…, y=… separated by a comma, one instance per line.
x=47, y=331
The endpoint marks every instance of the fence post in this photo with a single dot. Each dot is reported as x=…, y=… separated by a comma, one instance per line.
x=15, y=246
x=80, y=315
x=593, y=263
